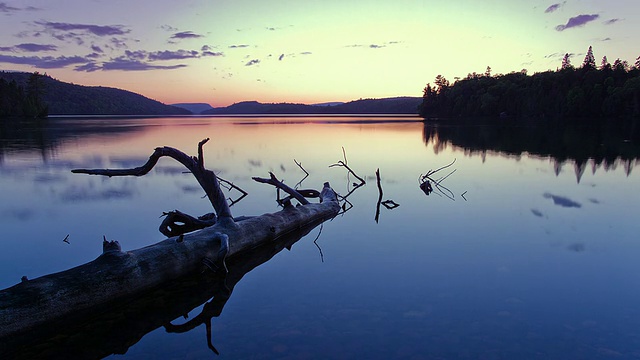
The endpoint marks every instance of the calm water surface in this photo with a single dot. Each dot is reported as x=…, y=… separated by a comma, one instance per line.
x=534, y=254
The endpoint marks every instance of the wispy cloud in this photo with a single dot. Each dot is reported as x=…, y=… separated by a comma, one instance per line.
x=168, y=28
x=29, y=47
x=4, y=8
x=88, y=67
x=238, y=46
x=577, y=21
x=173, y=55
x=186, y=35
x=45, y=62
x=124, y=64
x=212, y=53
x=554, y=7
x=98, y=30
x=252, y=62
x=7, y=9
x=97, y=49
x=281, y=57
x=612, y=21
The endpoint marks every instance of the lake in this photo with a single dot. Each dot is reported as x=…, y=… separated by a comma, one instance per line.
x=528, y=250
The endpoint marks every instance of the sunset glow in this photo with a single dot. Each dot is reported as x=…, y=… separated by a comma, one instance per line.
x=221, y=52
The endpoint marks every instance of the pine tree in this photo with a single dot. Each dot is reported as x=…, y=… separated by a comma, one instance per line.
x=620, y=65
x=589, y=60
x=604, y=64
x=566, y=62
x=637, y=64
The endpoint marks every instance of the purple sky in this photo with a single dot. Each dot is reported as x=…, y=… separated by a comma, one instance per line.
x=222, y=52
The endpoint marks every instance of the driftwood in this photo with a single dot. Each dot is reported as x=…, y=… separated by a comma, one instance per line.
x=117, y=274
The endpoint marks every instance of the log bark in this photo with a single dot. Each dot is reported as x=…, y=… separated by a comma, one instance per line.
x=116, y=274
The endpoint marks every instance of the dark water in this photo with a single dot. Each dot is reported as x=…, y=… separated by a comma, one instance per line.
x=531, y=254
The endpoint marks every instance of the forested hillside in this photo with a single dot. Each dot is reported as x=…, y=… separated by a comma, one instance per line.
x=587, y=91
x=388, y=106
x=69, y=99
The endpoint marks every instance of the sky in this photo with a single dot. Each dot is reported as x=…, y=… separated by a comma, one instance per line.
x=224, y=51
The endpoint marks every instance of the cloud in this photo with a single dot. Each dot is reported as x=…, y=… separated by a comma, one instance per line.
x=124, y=64
x=168, y=28
x=4, y=8
x=553, y=7
x=252, y=62
x=46, y=62
x=118, y=43
x=612, y=21
x=97, y=49
x=212, y=53
x=375, y=46
x=306, y=53
x=562, y=201
x=29, y=47
x=186, y=35
x=173, y=55
x=577, y=21
x=238, y=46
x=89, y=67
x=136, y=55
x=98, y=30
x=281, y=57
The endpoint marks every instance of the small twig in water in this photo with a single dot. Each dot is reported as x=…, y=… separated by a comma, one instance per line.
x=305, y=176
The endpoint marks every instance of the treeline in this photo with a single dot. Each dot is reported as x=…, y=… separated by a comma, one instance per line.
x=587, y=91
x=23, y=101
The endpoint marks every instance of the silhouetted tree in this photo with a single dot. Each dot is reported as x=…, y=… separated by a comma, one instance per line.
x=604, y=64
x=566, y=62
x=589, y=62
x=33, y=105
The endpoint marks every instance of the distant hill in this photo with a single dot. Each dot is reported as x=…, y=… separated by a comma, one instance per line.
x=70, y=99
x=399, y=105
x=334, y=103
x=195, y=108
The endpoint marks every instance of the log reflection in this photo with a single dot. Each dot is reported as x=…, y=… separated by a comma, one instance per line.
x=113, y=329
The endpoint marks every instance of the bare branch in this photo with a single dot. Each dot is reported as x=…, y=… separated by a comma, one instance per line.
x=344, y=165
x=304, y=178
x=230, y=187
x=379, y=194
x=280, y=185
x=206, y=178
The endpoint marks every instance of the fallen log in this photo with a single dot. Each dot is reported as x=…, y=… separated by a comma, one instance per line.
x=114, y=328
x=116, y=274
